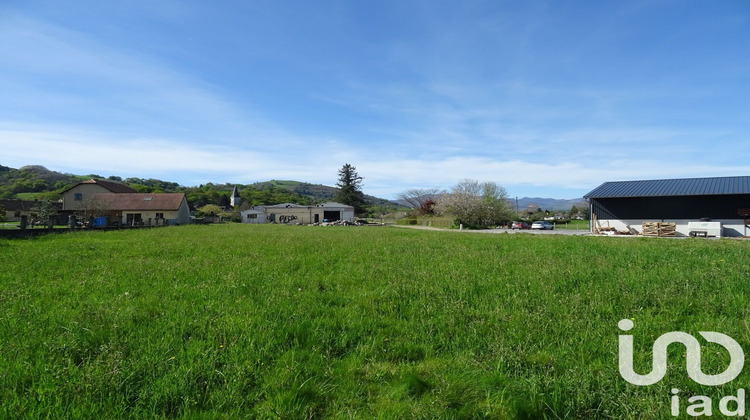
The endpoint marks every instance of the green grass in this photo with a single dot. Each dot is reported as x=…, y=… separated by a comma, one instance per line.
x=444, y=222
x=269, y=321
x=15, y=225
x=9, y=225
x=573, y=224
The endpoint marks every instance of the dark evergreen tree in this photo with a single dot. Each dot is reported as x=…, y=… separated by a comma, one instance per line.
x=224, y=201
x=350, y=188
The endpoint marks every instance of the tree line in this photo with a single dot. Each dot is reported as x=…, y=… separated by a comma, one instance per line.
x=39, y=183
x=472, y=203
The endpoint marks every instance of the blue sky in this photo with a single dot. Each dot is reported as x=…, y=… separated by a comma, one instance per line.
x=548, y=99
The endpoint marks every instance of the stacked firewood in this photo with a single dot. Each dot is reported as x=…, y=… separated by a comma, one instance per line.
x=659, y=229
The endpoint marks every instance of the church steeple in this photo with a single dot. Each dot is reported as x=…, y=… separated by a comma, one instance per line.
x=235, y=199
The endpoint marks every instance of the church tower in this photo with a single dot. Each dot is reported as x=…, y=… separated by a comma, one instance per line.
x=235, y=199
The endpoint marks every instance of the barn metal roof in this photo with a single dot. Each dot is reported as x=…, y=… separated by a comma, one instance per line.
x=732, y=185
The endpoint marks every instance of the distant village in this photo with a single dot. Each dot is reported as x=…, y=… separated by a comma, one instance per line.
x=710, y=207
x=101, y=203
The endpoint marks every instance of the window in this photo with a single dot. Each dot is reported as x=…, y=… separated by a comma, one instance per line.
x=252, y=216
x=78, y=197
x=159, y=215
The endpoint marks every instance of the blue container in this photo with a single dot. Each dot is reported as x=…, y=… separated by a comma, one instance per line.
x=100, y=221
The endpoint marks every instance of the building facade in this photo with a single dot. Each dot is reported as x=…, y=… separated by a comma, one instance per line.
x=142, y=209
x=76, y=197
x=291, y=214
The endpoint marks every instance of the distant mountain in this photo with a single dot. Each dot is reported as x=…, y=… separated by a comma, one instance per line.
x=551, y=204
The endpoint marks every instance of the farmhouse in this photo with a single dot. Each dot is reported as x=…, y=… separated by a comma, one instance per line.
x=288, y=213
x=628, y=204
x=141, y=209
x=76, y=196
x=112, y=203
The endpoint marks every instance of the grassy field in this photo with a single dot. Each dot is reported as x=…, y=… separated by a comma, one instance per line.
x=269, y=321
x=447, y=222
x=15, y=225
x=574, y=225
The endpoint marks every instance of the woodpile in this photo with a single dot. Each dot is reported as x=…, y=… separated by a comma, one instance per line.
x=614, y=231
x=660, y=229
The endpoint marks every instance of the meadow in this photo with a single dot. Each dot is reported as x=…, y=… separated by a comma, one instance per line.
x=271, y=321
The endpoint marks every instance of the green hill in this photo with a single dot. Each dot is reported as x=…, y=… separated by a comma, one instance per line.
x=317, y=191
x=37, y=182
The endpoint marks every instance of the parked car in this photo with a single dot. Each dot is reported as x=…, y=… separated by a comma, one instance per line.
x=542, y=225
x=519, y=225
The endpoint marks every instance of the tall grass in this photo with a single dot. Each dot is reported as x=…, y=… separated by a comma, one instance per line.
x=445, y=222
x=273, y=321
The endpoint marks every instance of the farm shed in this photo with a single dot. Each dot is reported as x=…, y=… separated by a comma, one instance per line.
x=624, y=204
x=254, y=215
x=288, y=213
x=15, y=209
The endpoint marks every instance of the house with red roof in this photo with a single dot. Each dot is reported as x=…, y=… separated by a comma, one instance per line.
x=112, y=203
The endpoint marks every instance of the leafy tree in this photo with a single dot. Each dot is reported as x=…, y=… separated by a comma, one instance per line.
x=224, y=201
x=92, y=206
x=476, y=204
x=350, y=188
x=423, y=200
x=427, y=207
x=208, y=210
x=43, y=212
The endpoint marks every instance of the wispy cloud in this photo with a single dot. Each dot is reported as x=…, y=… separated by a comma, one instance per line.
x=56, y=74
x=534, y=96
x=384, y=176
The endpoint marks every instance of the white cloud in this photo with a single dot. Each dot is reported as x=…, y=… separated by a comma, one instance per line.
x=59, y=75
x=384, y=176
x=435, y=109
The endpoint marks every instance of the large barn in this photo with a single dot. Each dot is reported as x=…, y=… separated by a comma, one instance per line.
x=626, y=205
x=288, y=213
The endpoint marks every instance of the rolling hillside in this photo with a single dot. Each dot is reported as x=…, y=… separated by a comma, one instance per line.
x=37, y=182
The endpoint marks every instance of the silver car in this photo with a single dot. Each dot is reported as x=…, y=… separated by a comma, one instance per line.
x=543, y=225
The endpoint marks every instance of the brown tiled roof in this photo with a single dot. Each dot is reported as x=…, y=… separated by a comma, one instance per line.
x=115, y=187
x=141, y=201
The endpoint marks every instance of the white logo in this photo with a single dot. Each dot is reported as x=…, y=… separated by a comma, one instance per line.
x=693, y=357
